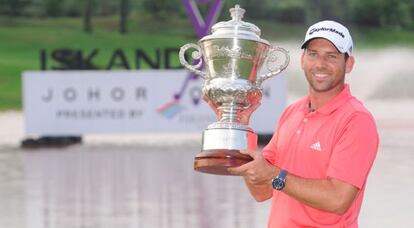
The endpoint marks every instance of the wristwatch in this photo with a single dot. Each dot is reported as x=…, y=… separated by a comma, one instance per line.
x=279, y=181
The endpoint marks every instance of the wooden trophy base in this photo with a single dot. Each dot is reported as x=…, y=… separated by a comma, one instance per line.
x=217, y=161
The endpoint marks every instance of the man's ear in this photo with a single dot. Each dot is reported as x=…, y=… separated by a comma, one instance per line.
x=349, y=64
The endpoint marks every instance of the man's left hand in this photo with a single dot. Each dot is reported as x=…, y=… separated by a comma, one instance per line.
x=257, y=172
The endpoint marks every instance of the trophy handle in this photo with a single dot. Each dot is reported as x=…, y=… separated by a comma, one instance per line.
x=196, y=55
x=273, y=68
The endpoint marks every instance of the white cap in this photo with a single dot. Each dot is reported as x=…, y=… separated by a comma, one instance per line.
x=332, y=31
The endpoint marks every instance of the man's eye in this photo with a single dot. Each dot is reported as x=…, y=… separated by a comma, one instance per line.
x=312, y=54
x=332, y=56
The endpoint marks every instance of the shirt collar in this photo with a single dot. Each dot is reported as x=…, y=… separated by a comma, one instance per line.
x=334, y=103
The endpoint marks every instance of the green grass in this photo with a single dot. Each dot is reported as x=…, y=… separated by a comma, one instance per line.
x=22, y=39
x=378, y=38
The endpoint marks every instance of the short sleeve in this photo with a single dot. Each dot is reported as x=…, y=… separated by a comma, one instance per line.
x=269, y=151
x=355, y=150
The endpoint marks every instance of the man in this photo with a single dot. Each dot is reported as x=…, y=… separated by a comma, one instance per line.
x=316, y=165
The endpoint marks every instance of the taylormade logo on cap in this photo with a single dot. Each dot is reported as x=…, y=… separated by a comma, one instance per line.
x=336, y=33
x=326, y=29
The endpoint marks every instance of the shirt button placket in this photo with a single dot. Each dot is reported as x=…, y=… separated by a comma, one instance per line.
x=305, y=120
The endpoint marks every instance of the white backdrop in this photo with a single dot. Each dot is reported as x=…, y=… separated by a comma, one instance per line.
x=80, y=102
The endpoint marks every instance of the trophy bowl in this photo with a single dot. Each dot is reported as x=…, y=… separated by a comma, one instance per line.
x=231, y=56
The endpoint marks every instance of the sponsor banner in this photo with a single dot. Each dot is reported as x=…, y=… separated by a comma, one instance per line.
x=150, y=101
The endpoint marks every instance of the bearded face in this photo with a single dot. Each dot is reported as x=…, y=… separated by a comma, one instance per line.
x=324, y=66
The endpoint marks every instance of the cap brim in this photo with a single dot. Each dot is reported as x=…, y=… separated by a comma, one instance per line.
x=307, y=41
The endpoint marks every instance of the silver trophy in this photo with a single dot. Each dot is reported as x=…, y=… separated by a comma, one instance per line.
x=233, y=54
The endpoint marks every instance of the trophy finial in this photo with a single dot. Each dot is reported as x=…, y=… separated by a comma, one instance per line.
x=237, y=13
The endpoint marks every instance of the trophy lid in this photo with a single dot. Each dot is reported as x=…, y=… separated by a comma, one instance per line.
x=235, y=28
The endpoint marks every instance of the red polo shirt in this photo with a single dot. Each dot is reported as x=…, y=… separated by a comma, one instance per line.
x=339, y=140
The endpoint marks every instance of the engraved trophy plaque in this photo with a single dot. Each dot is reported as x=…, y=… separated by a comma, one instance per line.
x=233, y=54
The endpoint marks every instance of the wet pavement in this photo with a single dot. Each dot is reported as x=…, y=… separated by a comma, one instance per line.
x=112, y=186
x=135, y=184
x=389, y=200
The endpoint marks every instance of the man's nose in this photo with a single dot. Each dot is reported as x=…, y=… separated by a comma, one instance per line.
x=320, y=62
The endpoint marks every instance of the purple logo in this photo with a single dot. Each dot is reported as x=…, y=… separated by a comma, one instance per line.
x=201, y=27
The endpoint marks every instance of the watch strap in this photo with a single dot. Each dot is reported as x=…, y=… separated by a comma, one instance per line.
x=282, y=174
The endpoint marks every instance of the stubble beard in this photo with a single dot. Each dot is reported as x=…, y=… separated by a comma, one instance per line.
x=321, y=86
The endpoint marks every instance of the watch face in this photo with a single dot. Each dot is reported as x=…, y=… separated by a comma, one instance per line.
x=279, y=182
x=280, y=185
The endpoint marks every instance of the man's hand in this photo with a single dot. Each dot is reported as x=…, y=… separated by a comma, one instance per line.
x=256, y=172
x=246, y=115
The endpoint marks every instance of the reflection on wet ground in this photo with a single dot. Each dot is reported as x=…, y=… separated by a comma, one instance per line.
x=126, y=187
x=111, y=186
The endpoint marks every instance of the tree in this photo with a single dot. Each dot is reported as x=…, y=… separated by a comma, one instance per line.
x=13, y=8
x=316, y=10
x=123, y=16
x=53, y=8
x=160, y=10
x=87, y=16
